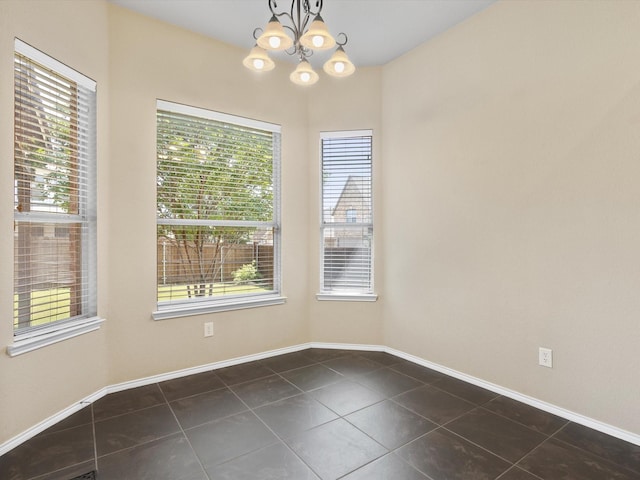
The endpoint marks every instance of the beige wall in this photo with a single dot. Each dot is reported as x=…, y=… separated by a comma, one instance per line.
x=511, y=145
x=151, y=60
x=39, y=384
x=506, y=202
x=335, y=105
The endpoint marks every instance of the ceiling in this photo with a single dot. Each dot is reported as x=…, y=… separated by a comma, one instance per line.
x=378, y=30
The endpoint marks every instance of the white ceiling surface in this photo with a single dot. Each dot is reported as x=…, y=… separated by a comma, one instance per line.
x=378, y=30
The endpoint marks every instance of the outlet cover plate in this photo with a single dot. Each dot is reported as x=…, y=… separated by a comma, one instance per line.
x=545, y=357
x=208, y=329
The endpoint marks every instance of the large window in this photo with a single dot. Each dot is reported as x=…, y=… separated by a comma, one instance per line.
x=54, y=196
x=218, y=232
x=347, y=216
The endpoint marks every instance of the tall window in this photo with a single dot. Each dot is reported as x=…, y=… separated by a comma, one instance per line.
x=217, y=211
x=54, y=194
x=347, y=216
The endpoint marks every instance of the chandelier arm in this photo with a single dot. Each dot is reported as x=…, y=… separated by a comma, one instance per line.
x=294, y=49
x=346, y=39
x=296, y=18
x=273, y=6
x=257, y=32
x=310, y=11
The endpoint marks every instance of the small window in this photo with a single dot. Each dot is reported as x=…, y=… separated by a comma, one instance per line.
x=218, y=232
x=347, y=214
x=54, y=191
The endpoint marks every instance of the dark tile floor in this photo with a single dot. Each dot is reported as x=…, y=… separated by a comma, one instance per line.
x=314, y=414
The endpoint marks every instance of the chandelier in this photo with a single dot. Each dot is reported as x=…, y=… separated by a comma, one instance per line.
x=307, y=38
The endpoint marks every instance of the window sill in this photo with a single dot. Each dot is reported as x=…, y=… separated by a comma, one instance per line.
x=39, y=339
x=187, y=310
x=347, y=297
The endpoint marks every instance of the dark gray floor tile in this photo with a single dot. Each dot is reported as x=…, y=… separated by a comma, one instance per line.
x=264, y=391
x=312, y=377
x=48, y=453
x=424, y=374
x=335, y=449
x=390, y=424
x=191, y=385
x=388, y=382
x=244, y=372
x=382, y=358
x=325, y=354
x=558, y=460
x=222, y=440
x=505, y=438
x=467, y=391
x=443, y=455
x=295, y=414
x=517, y=474
x=127, y=401
x=346, y=397
x=352, y=365
x=138, y=437
x=206, y=407
x=275, y=462
x=169, y=458
x=72, y=472
x=81, y=417
x=135, y=428
x=436, y=405
x=389, y=467
x=288, y=361
x=526, y=415
x=610, y=448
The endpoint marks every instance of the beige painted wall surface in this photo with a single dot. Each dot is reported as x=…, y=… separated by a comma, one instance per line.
x=151, y=60
x=506, y=202
x=39, y=384
x=511, y=149
x=352, y=103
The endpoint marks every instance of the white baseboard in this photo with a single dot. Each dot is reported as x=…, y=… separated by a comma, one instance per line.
x=534, y=402
x=118, y=387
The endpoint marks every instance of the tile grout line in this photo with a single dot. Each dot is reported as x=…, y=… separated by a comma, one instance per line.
x=355, y=379
x=184, y=434
x=93, y=443
x=95, y=439
x=588, y=452
x=280, y=439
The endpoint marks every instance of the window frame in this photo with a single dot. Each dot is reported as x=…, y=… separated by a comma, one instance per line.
x=350, y=295
x=31, y=338
x=198, y=306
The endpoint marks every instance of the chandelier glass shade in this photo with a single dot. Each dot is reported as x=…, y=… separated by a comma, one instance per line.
x=339, y=64
x=299, y=31
x=304, y=74
x=317, y=36
x=274, y=37
x=258, y=60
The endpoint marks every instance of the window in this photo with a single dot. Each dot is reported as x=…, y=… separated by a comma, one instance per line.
x=347, y=216
x=218, y=232
x=54, y=192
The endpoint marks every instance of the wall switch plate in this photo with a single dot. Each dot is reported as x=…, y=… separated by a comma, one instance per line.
x=545, y=357
x=208, y=329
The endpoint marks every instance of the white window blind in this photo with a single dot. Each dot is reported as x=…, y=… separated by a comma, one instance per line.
x=54, y=193
x=217, y=207
x=347, y=215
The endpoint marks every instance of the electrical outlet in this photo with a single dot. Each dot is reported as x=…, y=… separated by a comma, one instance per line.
x=545, y=357
x=208, y=329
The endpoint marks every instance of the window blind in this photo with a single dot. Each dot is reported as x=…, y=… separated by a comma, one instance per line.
x=54, y=192
x=347, y=213
x=217, y=206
